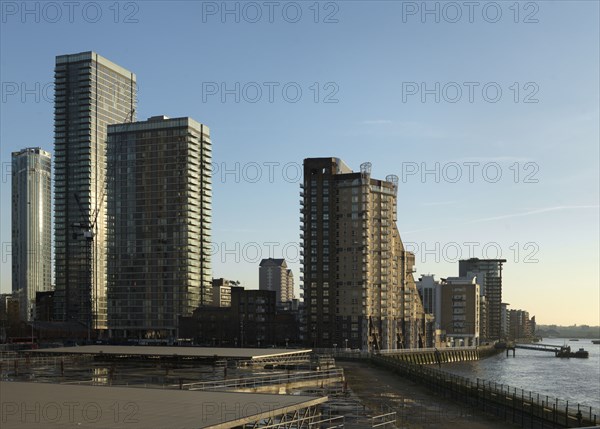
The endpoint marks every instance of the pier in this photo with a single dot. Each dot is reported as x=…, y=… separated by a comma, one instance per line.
x=538, y=347
x=559, y=351
x=209, y=355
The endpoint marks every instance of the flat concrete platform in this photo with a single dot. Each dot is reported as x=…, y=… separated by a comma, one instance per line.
x=46, y=405
x=164, y=351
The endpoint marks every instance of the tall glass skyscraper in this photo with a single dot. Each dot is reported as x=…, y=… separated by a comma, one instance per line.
x=159, y=211
x=31, y=236
x=91, y=92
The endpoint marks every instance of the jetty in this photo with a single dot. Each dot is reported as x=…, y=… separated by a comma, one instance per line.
x=559, y=351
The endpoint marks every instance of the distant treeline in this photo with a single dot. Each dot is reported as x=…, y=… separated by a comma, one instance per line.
x=582, y=331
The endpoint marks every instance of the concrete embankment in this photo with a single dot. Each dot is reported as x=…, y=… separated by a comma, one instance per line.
x=432, y=357
x=419, y=356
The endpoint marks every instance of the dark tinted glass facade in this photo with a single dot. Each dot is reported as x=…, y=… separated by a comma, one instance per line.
x=159, y=211
x=90, y=93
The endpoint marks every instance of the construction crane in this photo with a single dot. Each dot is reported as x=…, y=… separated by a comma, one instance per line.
x=130, y=115
x=87, y=230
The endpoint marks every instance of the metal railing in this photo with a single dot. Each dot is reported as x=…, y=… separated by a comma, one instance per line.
x=363, y=354
x=268, y=380
x=519, y=406
x=427, y=350
x=387, y=420
x=337, y=422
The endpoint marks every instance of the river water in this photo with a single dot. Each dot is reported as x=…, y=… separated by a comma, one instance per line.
x=574, y=380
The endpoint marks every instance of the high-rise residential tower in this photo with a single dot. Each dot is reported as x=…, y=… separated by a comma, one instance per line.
x=91, y=92
x=489, y=277
x=159, y=211
x=31, y=227
x=359, y=290
x=273, y=274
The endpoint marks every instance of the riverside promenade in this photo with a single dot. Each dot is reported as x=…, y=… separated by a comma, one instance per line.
x=416, y=407
x=526, y=409
x=506, y=405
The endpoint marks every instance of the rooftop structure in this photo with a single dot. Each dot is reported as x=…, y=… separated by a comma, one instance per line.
x=46, y=405
x=182, y=352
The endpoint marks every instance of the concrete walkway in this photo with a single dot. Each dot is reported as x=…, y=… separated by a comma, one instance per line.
x=416, y=407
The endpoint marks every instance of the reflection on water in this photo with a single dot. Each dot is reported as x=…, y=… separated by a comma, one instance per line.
x=575, y=380
x=126, y=373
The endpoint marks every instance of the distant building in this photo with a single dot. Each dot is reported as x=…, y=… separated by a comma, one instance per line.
x=489, y=277
x=505, y=320
x=430, y=292
x=31, y=227
x=221, y=292
x=274, y=275
x=44, y=306
x=254, y=313
x=159, y=211
x=210, y=326
x=460, y=309
x=250, y=321
x=520, y=325
x=359, y=290
x=9, y=310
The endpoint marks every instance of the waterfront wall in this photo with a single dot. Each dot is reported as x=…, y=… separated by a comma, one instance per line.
x=524, y=408
x=434, y=357
x=428, y=356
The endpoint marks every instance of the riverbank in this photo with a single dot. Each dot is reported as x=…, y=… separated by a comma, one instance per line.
x=416, y=407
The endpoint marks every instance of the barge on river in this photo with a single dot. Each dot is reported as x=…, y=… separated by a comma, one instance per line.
x=565, y=351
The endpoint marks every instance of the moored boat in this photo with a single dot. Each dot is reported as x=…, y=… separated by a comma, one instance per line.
x=565, y=352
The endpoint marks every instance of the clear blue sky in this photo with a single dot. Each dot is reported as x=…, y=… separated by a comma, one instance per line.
x=375, y=61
